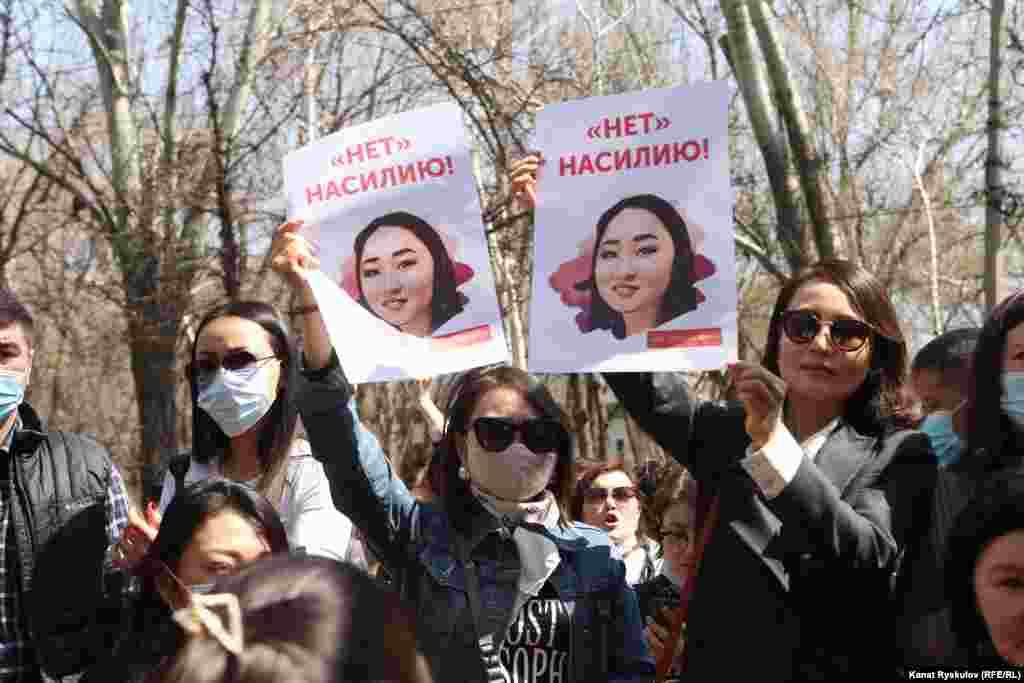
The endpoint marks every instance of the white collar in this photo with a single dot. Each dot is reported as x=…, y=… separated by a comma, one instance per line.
x=813, y=444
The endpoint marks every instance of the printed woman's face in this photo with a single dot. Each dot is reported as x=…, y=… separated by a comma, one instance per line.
x=396, y=274
x=634, y=263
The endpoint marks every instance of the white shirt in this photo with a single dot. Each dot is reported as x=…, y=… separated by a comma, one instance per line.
x=637, y=561
x=307, y=511
x=775, y=464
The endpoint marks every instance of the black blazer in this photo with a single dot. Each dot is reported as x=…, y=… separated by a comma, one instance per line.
x=797, y=587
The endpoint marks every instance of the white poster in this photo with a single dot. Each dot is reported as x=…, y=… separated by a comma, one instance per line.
x=391, y=208
x=634, y=263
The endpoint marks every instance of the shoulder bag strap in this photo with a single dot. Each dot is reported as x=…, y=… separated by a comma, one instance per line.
x=492, y=669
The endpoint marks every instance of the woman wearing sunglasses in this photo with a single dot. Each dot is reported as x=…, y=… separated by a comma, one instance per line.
x=818, y=488
x=671, y=516
x=243, y=374
x=504, y=585
x=608, y=498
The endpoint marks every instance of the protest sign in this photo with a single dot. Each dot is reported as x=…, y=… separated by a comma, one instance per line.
x=634, y=263
x=405, y=287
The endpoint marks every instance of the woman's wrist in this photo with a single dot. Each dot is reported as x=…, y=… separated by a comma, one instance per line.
x=304, y=293
x=305, y=310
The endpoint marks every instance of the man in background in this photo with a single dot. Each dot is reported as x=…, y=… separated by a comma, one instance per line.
x=939, y=377
x=63, y=506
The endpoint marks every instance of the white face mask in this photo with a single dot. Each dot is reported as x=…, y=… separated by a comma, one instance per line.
x=238, y=399
x=514, y=474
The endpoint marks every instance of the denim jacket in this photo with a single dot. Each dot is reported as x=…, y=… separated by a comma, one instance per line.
x=416, y=542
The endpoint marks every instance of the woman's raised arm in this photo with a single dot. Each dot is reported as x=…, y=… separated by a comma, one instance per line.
x=362, y=482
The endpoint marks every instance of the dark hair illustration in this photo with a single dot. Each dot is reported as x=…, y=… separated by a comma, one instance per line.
x=447, y=301
x=680, y=296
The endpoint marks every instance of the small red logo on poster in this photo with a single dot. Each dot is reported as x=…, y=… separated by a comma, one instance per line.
x=455, y=340
x=679, y=339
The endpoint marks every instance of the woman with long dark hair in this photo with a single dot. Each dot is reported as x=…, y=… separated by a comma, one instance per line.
x=405, y=275
x=819, y=489
x=243, y=374
x=504, y=584
x=995, y=404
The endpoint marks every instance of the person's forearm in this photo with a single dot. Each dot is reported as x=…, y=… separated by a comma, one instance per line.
x=433, y=417
x=316, y=342
x=362, y=484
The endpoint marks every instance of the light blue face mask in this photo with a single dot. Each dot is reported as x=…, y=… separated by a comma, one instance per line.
x=12, y=392
x=237, y=399
x=1013, y=396
x=945, y=442
x=201, y=588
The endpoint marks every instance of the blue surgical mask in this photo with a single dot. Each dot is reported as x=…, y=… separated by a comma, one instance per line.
x=238, y=399
x=12, y=391
x=1013, y=396
x=945, y=442
x=200, y=588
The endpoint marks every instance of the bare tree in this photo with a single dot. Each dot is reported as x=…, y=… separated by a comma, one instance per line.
x=995, y=285
x=138, y=167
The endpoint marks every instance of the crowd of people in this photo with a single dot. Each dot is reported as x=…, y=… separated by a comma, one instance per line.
x=814, y=525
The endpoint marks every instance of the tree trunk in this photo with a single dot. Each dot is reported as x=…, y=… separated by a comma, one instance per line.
x=933, y=251
x=576, y=406
x=505, y=267
x=995, y=281
x=598, y=416
x=640, y=448
x=740, y=51
x=153, y=331
x=810, y=166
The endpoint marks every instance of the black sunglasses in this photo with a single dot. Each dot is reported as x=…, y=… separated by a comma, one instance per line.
x=620, y=494
x=845, y=334
x=205, y=368
x=540, y=435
